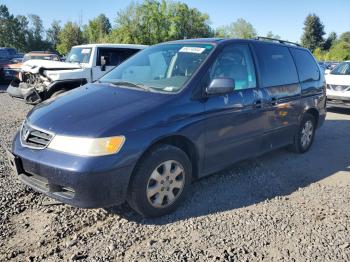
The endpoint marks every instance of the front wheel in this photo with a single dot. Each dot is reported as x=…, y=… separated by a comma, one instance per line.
x=160, y=181
x=305, y=135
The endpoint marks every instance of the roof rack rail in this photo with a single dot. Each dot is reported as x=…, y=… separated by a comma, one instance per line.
x=263, y=38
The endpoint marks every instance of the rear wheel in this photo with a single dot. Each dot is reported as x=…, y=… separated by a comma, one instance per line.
x=160, y=181
x=305, y=136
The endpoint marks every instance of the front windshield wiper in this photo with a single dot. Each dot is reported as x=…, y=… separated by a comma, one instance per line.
x=130, y=84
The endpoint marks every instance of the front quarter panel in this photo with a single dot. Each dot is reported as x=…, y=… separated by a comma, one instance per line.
x=185, y=120
x=58, y=75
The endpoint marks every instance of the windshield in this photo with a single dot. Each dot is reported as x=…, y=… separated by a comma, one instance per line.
x=3, y=54
x=164, y=67
x=342, y=69
x=79, y=55
x=11, y=51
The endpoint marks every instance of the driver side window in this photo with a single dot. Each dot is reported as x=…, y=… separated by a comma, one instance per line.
x=235, y=62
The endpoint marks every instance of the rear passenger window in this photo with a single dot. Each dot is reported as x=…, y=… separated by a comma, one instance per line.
x=276, y=65
x=306, y=65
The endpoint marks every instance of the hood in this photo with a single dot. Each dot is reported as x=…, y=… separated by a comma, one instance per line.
x=34, y=65
x=337, y=79
x=16, y=66
x=97, y=110
x=4, y=63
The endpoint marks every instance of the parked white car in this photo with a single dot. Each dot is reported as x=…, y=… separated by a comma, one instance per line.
x=42, y=79
x=338, y=85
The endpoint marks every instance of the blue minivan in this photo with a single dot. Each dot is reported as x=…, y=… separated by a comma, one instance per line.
x=171, y=114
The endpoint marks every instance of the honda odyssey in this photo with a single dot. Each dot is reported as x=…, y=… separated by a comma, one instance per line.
x=170, y=114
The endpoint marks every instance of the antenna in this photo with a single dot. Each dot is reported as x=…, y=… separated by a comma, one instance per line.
x=80, y=21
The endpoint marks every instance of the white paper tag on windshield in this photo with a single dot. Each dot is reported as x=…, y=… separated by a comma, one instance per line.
x=168, y=88
x=86, y=51
x=191, y=49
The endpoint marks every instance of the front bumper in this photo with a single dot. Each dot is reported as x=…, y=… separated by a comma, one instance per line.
x=21, y=90
x=338, y=99
x=14, y=90
x=82, y=182
x=338, y=103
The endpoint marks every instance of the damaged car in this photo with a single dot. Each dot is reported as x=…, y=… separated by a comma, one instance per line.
x=13, y=68
x=42, y=79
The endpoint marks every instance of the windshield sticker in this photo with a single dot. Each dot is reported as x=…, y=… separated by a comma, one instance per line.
x=190, y=49
x=168, y=88
x=86, y=51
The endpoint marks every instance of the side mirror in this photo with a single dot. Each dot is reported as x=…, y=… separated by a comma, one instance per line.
x=103, y=63
x=221, y=86
x=327, y=71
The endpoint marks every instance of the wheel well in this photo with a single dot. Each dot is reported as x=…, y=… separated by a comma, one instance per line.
x=181, y=142
x=314, y=113
x=66, y=86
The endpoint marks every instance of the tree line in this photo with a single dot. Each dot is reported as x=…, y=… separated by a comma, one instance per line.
x=330, y=48
x=151, y=22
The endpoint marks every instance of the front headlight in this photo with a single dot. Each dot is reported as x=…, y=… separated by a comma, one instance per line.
x=85, y=146
x=20, y=76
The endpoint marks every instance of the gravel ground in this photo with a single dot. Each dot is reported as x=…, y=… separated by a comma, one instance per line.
x=278, y=207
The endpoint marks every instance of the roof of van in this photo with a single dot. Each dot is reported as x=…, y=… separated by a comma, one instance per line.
x=222, y=40
x=200, y=40
x=114, y=46
x=7, y=48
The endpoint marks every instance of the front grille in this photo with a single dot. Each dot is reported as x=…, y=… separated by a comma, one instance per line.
x=34, y=138
x=338, y=87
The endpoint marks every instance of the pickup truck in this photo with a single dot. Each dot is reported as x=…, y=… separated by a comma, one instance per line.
x=42, y=79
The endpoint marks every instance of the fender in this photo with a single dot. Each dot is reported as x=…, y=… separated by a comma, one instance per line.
x=32, y=96
x=66, y=84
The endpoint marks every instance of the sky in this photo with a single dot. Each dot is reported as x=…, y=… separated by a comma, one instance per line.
x=282, y=17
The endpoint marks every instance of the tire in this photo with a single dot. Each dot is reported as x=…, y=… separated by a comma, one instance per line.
x=301, y=143
x=151, y=193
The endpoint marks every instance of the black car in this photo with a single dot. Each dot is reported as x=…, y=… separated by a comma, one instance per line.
x=171, y=114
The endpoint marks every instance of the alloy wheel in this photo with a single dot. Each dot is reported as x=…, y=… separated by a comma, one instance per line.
x=307, y=133
x=165, y=184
